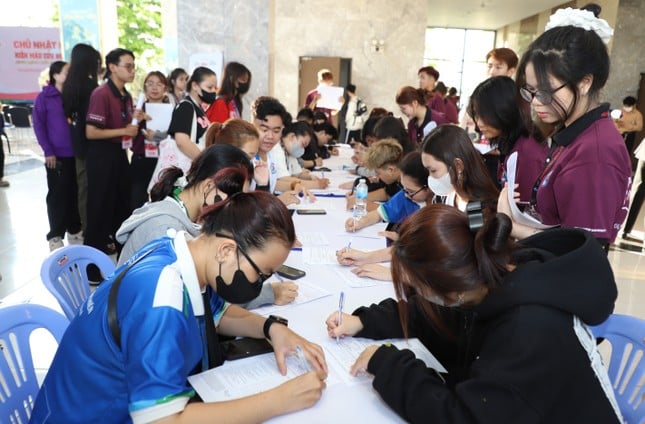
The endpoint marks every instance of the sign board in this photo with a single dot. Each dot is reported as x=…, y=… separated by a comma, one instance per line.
x=25, y=53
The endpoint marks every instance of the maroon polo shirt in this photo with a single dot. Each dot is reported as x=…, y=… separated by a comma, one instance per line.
x=109, y=109
x=587, y=184
x=416, y=131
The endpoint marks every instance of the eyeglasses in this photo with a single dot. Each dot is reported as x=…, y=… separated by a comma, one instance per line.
x=128, y=66
x=543, y=96
x=411, y=195
x=262, y=277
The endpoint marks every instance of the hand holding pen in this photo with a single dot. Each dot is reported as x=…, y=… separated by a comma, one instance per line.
x=349, y=324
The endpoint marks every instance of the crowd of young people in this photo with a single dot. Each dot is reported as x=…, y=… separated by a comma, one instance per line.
x=494, y=299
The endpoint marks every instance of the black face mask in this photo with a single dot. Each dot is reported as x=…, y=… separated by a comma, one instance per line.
x=243, y=87
x=207, y=97
x=241, y=290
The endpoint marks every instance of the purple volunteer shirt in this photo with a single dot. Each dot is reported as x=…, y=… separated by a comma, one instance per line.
x=530, y=160
x=109, y=109
x=587, y=184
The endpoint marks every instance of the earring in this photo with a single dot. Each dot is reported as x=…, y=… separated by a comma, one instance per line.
x=460, y=299
x=460, y=177
x=204, y=204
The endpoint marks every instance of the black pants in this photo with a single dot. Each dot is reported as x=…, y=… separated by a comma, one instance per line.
x=62, y=199
x=141, y=169
x=108, y=192
x=1, y=158
x=637, y=202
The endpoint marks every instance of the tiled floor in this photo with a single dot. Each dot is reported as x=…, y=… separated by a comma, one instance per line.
x=23, y=225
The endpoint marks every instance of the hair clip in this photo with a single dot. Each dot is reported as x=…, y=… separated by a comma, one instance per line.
x=475, y=216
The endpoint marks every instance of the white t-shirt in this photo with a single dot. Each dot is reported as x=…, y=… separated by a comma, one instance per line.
x=277, y=163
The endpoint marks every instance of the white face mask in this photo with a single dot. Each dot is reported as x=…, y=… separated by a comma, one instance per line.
x=296, y=150
x=440, y=186
x=628, y=108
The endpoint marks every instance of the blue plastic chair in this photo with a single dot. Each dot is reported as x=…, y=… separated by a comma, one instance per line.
x=20, y=388
x=64, y=273
x=627, y=366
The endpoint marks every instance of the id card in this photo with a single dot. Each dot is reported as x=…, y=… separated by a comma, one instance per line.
x=151, y=149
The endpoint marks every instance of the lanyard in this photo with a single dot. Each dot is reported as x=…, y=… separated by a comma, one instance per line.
x=548, y=164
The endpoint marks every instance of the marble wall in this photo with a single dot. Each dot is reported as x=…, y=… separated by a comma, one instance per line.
x=238, y=28
x=270, y=36
x=627, y=59
x=308, y=28
x=625, y=16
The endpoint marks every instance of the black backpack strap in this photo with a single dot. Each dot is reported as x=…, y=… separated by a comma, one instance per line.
x=113, y=321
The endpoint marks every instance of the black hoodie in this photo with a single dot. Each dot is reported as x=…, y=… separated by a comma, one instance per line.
x=521, y=356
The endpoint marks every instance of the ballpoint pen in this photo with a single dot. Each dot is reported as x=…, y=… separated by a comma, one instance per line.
x=302, y=359
x=341, y=300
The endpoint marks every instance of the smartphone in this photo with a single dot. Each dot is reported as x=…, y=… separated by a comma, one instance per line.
x=290, y=272
x=311, y=212
x=244, y=348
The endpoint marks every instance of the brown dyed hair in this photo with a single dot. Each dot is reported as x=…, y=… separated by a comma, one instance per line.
x=408, y=94
x=504, y=54
x=234, y=131
x=387, y=151
x=459, y=260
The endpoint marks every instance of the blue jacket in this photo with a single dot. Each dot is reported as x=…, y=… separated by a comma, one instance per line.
x=50, y=124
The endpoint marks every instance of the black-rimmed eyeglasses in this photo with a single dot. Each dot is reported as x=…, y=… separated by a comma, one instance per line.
x=411, y=195
x=543, y=96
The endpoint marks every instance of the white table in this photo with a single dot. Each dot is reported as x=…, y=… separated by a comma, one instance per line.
x=339, y=403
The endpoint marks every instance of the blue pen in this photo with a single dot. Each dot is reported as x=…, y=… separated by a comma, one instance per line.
x=341, y=301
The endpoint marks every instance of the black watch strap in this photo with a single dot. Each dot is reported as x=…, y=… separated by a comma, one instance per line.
x=272, y=319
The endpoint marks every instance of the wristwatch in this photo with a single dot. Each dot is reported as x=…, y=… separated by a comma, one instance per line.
x=272, y=320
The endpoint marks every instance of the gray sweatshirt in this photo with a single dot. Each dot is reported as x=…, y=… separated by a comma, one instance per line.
x=152, y=221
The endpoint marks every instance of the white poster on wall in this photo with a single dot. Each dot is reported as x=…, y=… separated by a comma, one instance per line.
x=25, y=53
x=213, y=60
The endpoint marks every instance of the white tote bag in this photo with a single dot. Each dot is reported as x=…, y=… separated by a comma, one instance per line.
x=170, y=155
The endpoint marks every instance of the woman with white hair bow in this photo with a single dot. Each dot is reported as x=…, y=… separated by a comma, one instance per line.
x=585, y=179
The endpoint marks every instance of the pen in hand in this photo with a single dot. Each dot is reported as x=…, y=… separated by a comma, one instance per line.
x=341, y=300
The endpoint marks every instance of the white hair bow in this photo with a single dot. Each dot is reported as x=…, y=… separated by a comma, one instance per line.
x=582, y=19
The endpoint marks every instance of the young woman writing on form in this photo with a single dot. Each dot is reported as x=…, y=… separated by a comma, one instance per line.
x=507, y=322
x=159, y=308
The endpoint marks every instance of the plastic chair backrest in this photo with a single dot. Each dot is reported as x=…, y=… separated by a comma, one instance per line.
x=20, y=385
x=627, y=366
x=64, y=273
x=20, y=116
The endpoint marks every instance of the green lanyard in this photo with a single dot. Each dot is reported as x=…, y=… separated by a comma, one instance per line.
x=175, y=195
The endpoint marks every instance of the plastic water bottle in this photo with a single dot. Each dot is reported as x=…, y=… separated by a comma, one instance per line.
x=360, y=206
